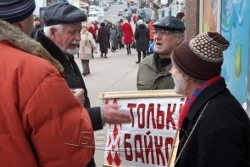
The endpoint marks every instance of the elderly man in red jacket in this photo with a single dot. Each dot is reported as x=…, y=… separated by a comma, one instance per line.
x=42, y=123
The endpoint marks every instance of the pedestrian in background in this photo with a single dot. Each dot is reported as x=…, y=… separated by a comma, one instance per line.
x=113, y=37
x=180, y=15
x=153, y=72
x=119, y=35
x=214, y=129
x=142, y=40
x=92, y=29
x=37, y=25
x=41, y=120
x=87, y=47
x=128, y=35
x=103, y=40
x=134, y=18
x=150, y=28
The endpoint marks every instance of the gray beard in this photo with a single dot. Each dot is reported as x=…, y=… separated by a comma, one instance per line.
x=70, y=51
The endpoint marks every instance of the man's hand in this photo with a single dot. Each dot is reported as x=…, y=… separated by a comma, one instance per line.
x=112, y=115
x=79, y=94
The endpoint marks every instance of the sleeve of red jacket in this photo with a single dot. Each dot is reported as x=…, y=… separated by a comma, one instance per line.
x=59, y=127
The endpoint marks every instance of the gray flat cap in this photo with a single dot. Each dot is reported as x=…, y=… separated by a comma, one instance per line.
x=170, y=23
x=63, y=13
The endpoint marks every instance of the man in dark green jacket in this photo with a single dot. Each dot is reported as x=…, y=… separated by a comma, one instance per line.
x=153, y=72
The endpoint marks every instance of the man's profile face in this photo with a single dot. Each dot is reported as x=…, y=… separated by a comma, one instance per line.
x=68, y=39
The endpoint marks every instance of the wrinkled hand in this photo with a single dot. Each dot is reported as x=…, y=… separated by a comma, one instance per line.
x=112, y=115
x=79, y=94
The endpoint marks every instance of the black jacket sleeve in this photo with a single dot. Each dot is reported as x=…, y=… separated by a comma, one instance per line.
x=96, y=117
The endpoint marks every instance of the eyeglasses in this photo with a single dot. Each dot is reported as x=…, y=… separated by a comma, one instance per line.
x=163, y=32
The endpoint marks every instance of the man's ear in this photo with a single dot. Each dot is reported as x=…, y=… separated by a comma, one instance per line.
x=20, y=24
x=52, y=32
x=180, y=38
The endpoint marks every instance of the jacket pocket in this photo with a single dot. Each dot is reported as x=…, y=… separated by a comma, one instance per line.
x=141, y=85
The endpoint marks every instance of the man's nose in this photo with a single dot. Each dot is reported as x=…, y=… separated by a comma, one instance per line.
x=78, y=37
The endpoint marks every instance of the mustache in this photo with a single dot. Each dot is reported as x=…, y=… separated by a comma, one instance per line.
x=75, y=42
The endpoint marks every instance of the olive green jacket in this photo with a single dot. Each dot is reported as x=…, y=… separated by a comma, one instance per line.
x=148, y=77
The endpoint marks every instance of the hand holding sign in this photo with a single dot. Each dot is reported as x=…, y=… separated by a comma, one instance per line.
x=112, y=115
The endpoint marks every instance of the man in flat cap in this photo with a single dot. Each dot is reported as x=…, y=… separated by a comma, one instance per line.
x=41, y=122
x=61, y=37
x=153, y=72
x=214, y=130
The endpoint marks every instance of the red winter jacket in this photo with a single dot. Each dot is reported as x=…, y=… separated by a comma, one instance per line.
x=127, y=33
x=41, y=122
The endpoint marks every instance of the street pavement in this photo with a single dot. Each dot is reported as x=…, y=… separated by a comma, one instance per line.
x=116, y=73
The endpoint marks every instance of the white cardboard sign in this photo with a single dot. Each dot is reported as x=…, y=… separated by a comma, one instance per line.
x=147, y=140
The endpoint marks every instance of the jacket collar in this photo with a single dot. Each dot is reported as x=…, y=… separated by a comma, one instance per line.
x=162, y=64
x=207, y=94
x=18, y=39
x=50, y=46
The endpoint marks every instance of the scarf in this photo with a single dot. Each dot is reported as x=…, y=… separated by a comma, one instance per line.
x=189, y=100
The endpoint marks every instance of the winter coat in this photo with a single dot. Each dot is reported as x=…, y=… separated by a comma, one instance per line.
x=72, y=76
x=42, y=123
x=92, y=30
x=34, y=30
x=120, y=33
x=150, y=28
x=142, y=38
x=103, y=39
x=113, y=38
x=87, y=45
x=127, y=33
x=222, y=135
x=148, y=77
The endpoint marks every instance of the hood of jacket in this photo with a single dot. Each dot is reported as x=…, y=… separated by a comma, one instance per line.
x=22, y=41
x=142, y=26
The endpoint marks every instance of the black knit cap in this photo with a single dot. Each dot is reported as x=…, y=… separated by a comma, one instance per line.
x=63, y=13
x=16, y=10
x=200, y=59
x=170, y=23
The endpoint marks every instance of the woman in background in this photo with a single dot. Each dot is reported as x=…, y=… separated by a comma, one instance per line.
x=87, y=47
x=103, y=40
x=142, y=40
x=128, y=35
x=113, y=37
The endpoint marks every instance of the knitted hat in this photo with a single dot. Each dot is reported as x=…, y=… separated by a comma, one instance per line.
x=16, y=10
x=200, y=58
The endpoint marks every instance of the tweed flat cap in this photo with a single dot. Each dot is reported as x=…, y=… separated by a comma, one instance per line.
x=63, y=13
x=170, y=23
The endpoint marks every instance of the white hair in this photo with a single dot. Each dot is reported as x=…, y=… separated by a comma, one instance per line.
x=46, y=29
x=140, y=22
x=59, y=27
